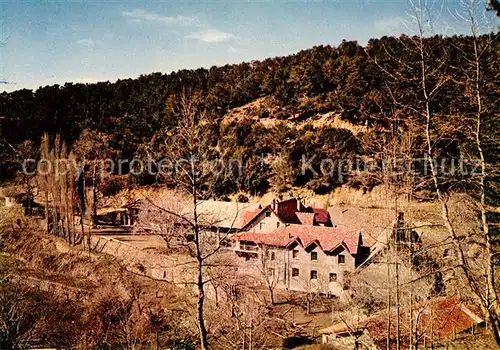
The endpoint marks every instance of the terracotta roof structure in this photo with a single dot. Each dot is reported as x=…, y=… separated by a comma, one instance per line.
x=439, y=318
x=321, y=215
x=249, y=216
x=291, y=211
x=287, y=210
x=328, y=238
x=306, y=218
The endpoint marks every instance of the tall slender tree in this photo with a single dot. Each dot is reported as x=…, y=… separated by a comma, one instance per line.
x=484, y=289
x=187, y=161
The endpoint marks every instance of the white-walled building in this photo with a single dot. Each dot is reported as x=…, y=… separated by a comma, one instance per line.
x=304, y=258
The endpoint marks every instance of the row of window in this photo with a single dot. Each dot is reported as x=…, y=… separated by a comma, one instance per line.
x=271, y=257
x=314, y=275
x=314, y=256
x=262, y=225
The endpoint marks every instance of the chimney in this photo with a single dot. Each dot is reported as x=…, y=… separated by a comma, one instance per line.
x=273, y=205
x=298, y=204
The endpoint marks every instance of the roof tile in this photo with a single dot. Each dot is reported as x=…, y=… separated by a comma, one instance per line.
x=328, y=238
x=439, y=318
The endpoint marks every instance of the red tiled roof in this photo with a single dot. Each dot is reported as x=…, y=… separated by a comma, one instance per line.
x=327, y=237
x=439, y=319
x=448, y=316
x=249, y=216
x=322, y=215
x=306, y=218
x=264, y=238
x=287, y=210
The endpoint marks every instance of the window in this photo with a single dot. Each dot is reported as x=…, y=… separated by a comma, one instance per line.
x=273, y=256
x=341, y=259
x=295, y=272
x=278, y=224
x=270, y=271
x=314, y=256
x=261, y=225
x=314, y=274
x=295, y=253
x=268, y=214
x=333, y=277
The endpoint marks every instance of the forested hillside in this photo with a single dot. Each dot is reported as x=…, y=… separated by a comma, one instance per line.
x=418, y=116
x=377, y=87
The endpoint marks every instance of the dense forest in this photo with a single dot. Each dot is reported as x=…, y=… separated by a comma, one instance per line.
x=377, y=87
x=432, y=103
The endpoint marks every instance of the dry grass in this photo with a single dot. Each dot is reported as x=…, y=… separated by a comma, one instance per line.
x=253, y=110
x=48, y=260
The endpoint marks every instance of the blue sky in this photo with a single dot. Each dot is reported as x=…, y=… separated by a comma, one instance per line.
x=48, y=42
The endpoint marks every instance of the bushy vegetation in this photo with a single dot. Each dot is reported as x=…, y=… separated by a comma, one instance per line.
x=376, y=86
x=346, y=79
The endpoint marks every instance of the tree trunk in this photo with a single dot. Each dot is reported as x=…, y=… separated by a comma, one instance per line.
x=410, y=264
x=398, y=319
x=388, y=340
x=201, y=302
x=81, y=195
x=94, y=198
x=494, y=325
x=47, y=210
x=250, y=340
x=29, y=192
x=199, y=259
x=486, y=305
x=492, y=293
x=271, y=294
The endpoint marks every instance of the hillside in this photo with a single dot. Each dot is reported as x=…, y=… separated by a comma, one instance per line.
x=342, y=196
x=342, y=103
x=349, y=80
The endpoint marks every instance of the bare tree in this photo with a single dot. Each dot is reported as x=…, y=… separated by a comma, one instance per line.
x=155, y=219
x=91, y=149
x=122, y=318
x=25, y=154
x=432, y=80
x=269, y=271
x=20, y=314
x=282, y=178
x=91, y=152
x=484, y=289
x=187, y=163
x=57, y=181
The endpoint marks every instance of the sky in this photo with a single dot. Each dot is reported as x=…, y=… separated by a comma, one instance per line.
x=52, y=42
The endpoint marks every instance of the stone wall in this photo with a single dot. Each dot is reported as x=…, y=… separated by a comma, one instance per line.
x=172, y=268
x=279, y=264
